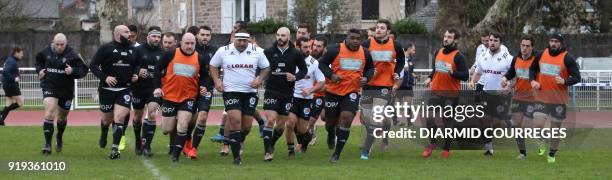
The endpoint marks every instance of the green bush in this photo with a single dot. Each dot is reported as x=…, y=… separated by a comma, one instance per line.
x=409, y=26
x=268, y=26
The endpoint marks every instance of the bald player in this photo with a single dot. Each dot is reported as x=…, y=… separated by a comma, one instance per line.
x=115, y=65
x=182, y=77
x=284, y=60
x=58, y=65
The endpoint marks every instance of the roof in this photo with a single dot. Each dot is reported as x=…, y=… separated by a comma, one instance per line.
x=41, y=8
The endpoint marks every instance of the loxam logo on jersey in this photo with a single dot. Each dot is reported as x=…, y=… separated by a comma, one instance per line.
x=488, y=71
x=230, y=66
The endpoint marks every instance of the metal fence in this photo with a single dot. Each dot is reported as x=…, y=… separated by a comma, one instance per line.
x=594, y=93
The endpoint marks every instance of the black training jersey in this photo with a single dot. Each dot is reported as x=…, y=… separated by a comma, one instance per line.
x=116, y=60
x=207, y=52
x=147, y=57
x=55, y=64
x=281, y=63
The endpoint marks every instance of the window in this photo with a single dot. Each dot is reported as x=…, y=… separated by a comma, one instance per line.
x=369, y=9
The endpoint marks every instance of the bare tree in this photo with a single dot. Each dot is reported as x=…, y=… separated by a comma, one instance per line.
x=13, y=16
x=111, y=13
x=323, y=15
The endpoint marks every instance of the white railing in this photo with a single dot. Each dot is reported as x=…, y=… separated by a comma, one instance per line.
x=593, y=93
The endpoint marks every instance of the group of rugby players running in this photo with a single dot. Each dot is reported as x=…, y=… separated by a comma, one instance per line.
x=302, y=81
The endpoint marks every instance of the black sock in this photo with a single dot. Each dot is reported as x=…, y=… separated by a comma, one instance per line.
x=172, y=138
x=260, y=121
x=447, y=143
x=267, y=138
x=137, y=132
x=190, y=128
x=104, y=129
x=61, y=127
x=148, y=132
x=8, y=109
x=300, y=138
x=48, y=130
x=126, y=121
x=521, y=146
x=278, y=133
x=431, y=125
x=552, y=152
x=118, y=130
x=343, y=134
x=179, y=142
x=234, y=140
x=331, y=131
x=243, y=135
x=197, y=135
x=291, y=147
x=221, y=129
x=307, y=137
x=11, y=107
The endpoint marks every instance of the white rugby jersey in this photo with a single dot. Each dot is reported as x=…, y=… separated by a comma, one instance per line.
x=492, y=68
x=314, y=73
x=480, y=55
x=239, y=68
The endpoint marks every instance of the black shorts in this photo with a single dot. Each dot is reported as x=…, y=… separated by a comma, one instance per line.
x=281, y=105
x=109, y=98
x=205, y=101
x=170, y=109
x=443, y=101
x=405, y=91
x=557, y=111
x=334, y=104
x=244, y=102
x=317, y=106
x=525, y=107
x=301, y=108
x=478, y=96
x=143, y=96
x=380, y=92
x=11, y=89
x=64, y=101
x=496, y=105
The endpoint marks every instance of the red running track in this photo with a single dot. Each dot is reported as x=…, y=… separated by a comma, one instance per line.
x=92, y=118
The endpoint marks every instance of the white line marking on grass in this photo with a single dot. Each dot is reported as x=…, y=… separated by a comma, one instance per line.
x=151, y=167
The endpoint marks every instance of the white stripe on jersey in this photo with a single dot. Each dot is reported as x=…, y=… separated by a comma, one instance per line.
x=314, y=73
x=239, y=68
x=492, y=68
